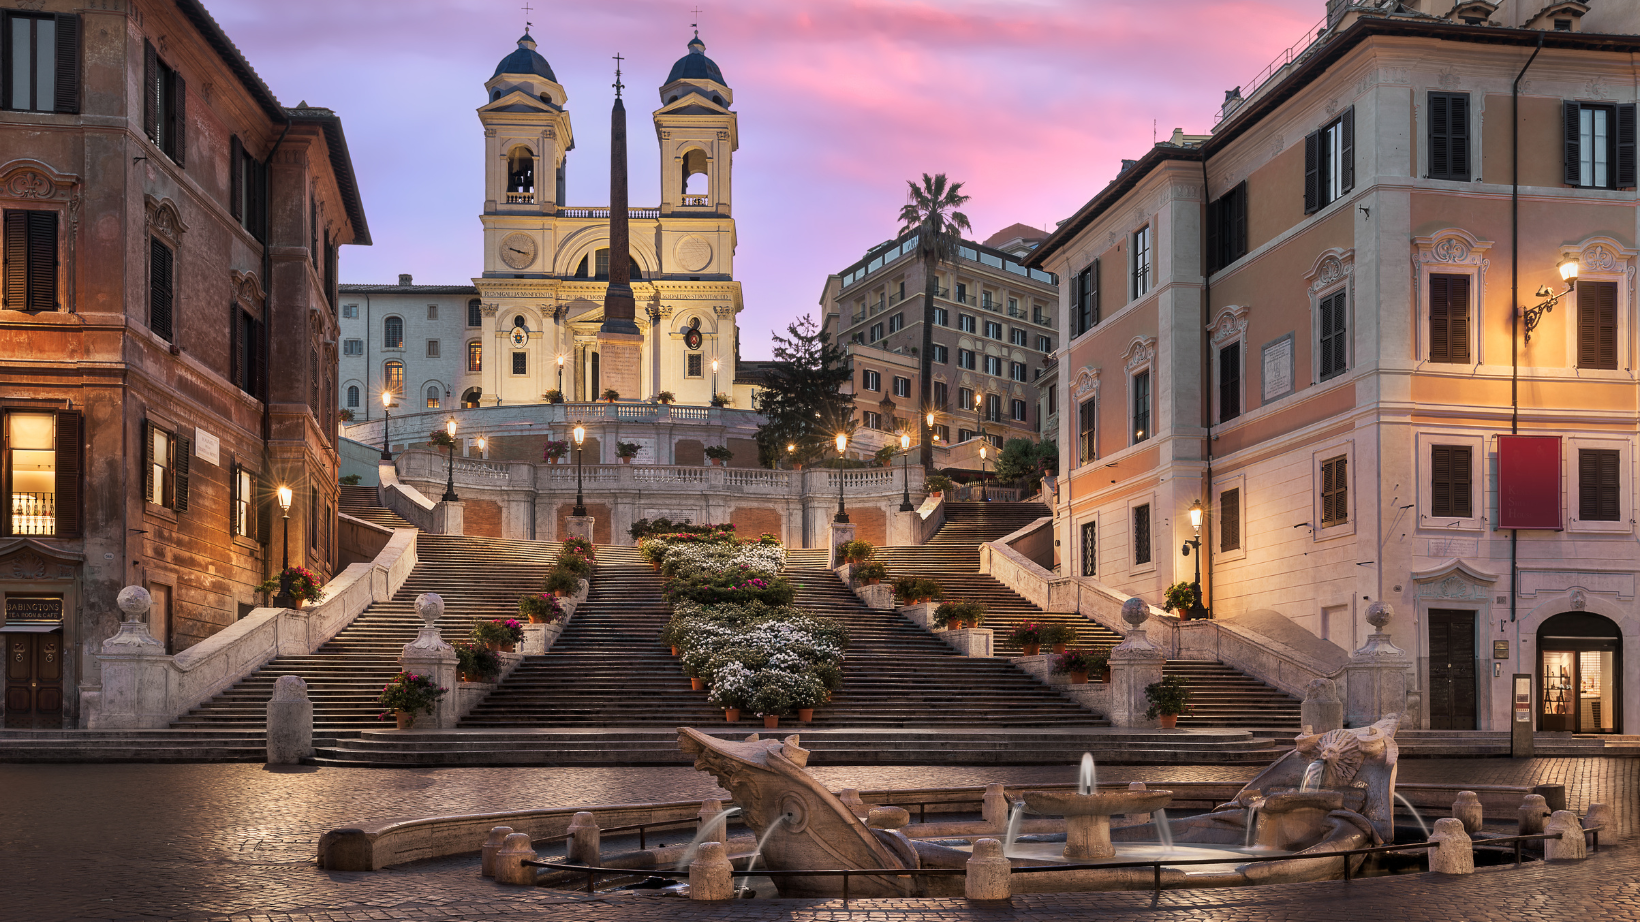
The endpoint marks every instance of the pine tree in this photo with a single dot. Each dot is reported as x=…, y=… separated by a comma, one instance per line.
x=802, y=398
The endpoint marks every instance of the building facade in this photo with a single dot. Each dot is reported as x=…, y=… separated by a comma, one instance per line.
x=171, y=234
x=1317, y=322
x=993, y=325
x=414, y=341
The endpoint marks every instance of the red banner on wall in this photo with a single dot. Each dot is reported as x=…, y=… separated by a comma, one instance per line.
x=1529, y=482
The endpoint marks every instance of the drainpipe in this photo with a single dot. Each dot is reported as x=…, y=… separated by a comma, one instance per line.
x=1514, y=315
x=1206, y=547
x=267, y=326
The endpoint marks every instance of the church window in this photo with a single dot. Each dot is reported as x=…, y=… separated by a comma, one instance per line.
x=393, y=377
x=475, y=313
x=520, y=363
x=475, y=356
x=520, y=176
x=432, y=398
x=693, y=363
x=393, y=333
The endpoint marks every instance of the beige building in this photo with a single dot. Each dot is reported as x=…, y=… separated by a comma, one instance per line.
x=1323, y=322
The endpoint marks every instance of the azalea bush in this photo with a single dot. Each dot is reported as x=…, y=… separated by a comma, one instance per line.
x=476, y=661
x=1026, y=634
x=914, y=589
x=562, y=580
x=732, y=586
x=304, y=584
x=500, y=632
x=540, y=606
x=554, y=449
x=663, y=527
x=1091, y=661
x=583, y=545
x=410, y=693
x=575, y=562
x=1055, y=634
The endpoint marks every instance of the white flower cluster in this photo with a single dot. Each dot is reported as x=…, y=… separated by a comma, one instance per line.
x=694, y=559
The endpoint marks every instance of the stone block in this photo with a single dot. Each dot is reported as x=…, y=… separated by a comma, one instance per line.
x=887, y=817
x=584, y=836
x=1455, y=851
x=837, y=535
x=492, y=844
x=975, y=641
x=879, y=597
x=1467, y=809
x=922, y=615
x=509, y=867
x=710, y=875
x=290, y=722
x=581, y=526
x=1321, y=710
x=1570, y=846
x=1533, y=811
x=994, y=807
x=1599, y=817
x=989, y=873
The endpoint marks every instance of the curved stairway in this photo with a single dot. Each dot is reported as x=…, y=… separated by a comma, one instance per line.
x=361, y=503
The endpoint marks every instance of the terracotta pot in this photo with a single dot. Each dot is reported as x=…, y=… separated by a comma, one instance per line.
x=1059, y=648
x=674, y=649
x=626, y=460
x=805, y=714
x=732, y=715
x=771, y=721
x=696, y=685
x=1167, y=721
x=406, y=719
x=1079, y=677
x=509, y=648
x=797, y=467
x=1033, y=649
x=540, y=619
x=462, y=677
x=1104, y=675
x=559, y=593
x=872, y=582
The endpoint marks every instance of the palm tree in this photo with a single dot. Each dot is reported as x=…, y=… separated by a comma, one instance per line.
x=932, y=213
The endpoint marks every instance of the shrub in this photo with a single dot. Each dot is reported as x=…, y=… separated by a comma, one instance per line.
x=477, y=662
x=649, y=528
x=870, y=570
x=1026, y=634
x=731, y=587
x=610, y=394
x=562, y=580
x=911, y=589
x=553, y=396
x=1055, y=634
x=1180, y=596
x=304, y=584
x=1091, y=661
x=972, y=612
x=719, y=452
x=554, y=449
x=410, y=693
x=351, y=480
x=938, y=483
x=666, y=397
x=574, y=562
x=722, y=400
x=1169, y=696
x=345, y=415
x=587, y=548
x=442, y=439
x=539, y=605
x=627, y=449
x=501, y=632
x=856, y=551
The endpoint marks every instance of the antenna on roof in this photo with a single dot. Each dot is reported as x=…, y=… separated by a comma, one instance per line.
x=527, y=10
x=618, y=84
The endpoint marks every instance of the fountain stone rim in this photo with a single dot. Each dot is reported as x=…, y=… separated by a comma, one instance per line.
x=1110, y=803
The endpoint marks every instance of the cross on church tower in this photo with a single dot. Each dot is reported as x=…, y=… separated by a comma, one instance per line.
x=527, y=10
x=696, y=24
x=618, y=84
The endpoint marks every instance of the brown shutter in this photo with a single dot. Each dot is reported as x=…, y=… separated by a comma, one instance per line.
x=1440, y=307
x=1215, y=240
x=1095, y=278
x=1440, y=481
x=1346, y=129
x=1597, y=325
x=1458, y=137
x=5, y=451
x=16, y=282
x=150, y=92
x=1625, y=146
x=1462, y=485
x=1573, y=128
x=1341, y=489
x=69, y=482
x=257, y=362
x=236, y=178
x=159, y=289
x=1440, y=148
x=147, y=461
x=42, y=261
x=1326, y=493
x=67, y=64
x=179, y=119
x=1230, y=520
x=1312, y=172
x=181, y=450
x=1458, y=318
x=1238, y=223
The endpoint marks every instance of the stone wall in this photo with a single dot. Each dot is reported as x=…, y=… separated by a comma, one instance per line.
x=483, y=518
x=601, y=530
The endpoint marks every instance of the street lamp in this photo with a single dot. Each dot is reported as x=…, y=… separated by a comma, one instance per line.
x=580, y=439
x=841, y=518
x=791, y=454
x=714, y=376
x=482, y=444
x=905, y=475
x=1196, y=610
x=387, y=417
x=1568, y=273
x=560, y=374
x=450, y=479
x=284, y=599
x=984, y=494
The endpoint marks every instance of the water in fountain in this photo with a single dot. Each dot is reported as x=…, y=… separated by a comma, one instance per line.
x=1252, y=821
x=700, y=837
x=1312, y=776
x=759, y=851
x=1164, y=832
x=1016, y=813
x=1415, y=814
x=1087, y=779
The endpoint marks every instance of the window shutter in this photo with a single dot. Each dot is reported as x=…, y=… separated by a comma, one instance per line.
x=1608, y=473
x=1215, y=239
x=1625, y=146
x=1327, y=479
x=1606, y=324
x=1230, y=520
x=179, y=119
x=1341, y=489
x=1440, y=147
x=236, y=349
x=1230, y=382
x=68, y=63
x=181, y=449
x=1440, y=481
x=1458, y=318
x=1458, y=137
x=254, y=359
x=16, y=284
x=1346, y=128
x=233, y=499
x=1462, y=486
x=147, y=461
x=5, y=99
x=1573, y=125
x=150, y=92
x=1312, y=172
x=1095, y=292
x=1238, y=223
x=1440, y=308
x=236, y=178
x=68, y=459
x=42, y=261
x=159, y=289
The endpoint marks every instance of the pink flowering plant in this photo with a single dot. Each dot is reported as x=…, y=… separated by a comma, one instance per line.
x=304, y=584
x=555, y=449
x=1027, y=633
x=541, y=607
x=501, y=632
x=410, y=693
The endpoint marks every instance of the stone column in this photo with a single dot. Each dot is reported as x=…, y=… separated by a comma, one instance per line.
x=713, y=827
x=580, y=526
x=1455, y=853
x=1321, y=710
x=450, y=518
x=710, y=875
x=430, y=656
x=290, y=722
x=994, y=808
x=134, y=694
x=988, y=872
x=838, y=534
x=1134, y=664
x=584, y=839
x=1378, y=676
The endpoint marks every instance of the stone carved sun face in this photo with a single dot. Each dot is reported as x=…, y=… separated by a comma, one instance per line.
x=1340, y=751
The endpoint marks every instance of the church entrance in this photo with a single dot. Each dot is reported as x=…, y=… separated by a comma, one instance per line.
x=1580, y=674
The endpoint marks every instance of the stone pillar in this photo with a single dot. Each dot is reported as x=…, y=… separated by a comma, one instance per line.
x=975, y=641
x=509, y=868
x=492, y=844
x=988, y=872
x=1598, y=817
x=1134, y=664
x=1533, y=811
x=713, y=828
x=878, y=597
x=1554, y=795
x=994, y=808
x=1467, y=809
x=1570, y=845
x=1378, y=676
x=450, y=518
x=429, y=655
x=290, y=722
x=1455, y=852
x=710, y=875
x=134, y=694
x=1321, y=710
x=580, y=526
x=584, y=839
x=838, y=534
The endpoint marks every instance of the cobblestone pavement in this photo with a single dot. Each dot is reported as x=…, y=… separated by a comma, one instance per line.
x=234, y=841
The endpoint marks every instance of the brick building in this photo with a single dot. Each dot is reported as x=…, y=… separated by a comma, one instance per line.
x=171, y=235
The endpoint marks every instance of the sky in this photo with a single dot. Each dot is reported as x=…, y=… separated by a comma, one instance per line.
x=1032, y=104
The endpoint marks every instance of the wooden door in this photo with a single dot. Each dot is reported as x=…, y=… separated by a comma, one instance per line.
x=1451, y=669
x=34, y=681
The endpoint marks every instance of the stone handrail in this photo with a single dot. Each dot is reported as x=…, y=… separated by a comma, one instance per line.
x=412, y=427
x=928, y=519
x=1269, y=660
x=413, y=506
x=147, y=689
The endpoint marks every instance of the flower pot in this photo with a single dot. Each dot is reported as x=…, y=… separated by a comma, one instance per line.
x=771, y=721
x=1033, y=649
x=406, y=719
x=626, y=460
x=732, y=715
x=1167, y=721
x=872, y=582
x=1059, y=648
x=559, y=593
x=1104, y=675
x=1079, y=677
x=696, y=685
x=674, y=649
x=508, y=647
x=540, y=619
x=805, y=714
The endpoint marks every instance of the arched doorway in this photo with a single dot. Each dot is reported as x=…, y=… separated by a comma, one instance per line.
x=1580, y=674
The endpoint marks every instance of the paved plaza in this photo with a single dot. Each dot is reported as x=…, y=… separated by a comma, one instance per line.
x=236, y=841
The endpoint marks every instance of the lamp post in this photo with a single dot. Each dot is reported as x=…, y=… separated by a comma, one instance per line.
x=1196, y=610
x=283, y=599
x=450, y=471
x=1568, y=273
x=560, y=374
x=984, y=492
x=580, y=439
x=387, y=417
x=791, y=454
x=841, y=518
x=905, y=473
x=714, y=376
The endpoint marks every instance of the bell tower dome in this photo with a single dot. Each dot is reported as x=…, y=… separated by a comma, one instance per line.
x=698, y=136
x=527, y=135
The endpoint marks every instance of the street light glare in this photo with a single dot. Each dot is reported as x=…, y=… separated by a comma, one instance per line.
x=450, y=427
x=905, y=441
x=284, y=498
x=580, y=433
x=842, y=442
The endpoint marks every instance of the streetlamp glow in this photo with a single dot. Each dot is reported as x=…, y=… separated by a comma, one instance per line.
x=482, y=443
x=284, y=498
x=842, y=442
x=841, y=518
x=905, y=472
x=387, y=417
x=1196, y=516
x=905, y=441
x=1568, y=270
x=1194, y=547
x=580, y=433
x=284, y=599
x=450, y=427
x=450, y=469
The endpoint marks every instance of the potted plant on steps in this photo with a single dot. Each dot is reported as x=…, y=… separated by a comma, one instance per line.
x=561, y=582
x=665, y=398
x=936, y=485
x=722, y=400
x=1081, y=664
x=586, y=548
x=1029, y=637
x=856, y=551
x=610, y=395
x=408, y=695
x=500, y=634
x=732, y=691
x=958, y=616
x=539, y=607
x=1168, y=699
x=553, y=396
x=719, y=455
x=304, y=585
x=1058, y=636
x=476, y=662
x=626, y=451
x=871, y=572
x=555, y=450
x=915, y=590
x=1179, y=598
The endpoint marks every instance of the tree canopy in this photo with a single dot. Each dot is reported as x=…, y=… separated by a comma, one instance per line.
x=802, y=399
x=1023, y=460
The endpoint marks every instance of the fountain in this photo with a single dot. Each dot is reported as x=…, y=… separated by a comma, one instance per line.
x=1087, y=816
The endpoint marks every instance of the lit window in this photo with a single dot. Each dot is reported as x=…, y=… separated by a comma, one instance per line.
x=32, y=459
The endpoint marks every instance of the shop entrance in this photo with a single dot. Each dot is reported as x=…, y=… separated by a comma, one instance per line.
x=1580, y=674
x=34, y=680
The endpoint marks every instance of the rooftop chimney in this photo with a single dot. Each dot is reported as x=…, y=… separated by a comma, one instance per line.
x=404, y=279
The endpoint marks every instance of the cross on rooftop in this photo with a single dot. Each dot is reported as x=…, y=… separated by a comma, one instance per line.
x=527, y=10
x=618, y=84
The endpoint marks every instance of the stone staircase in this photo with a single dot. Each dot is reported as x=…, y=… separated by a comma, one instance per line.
x=361, y=503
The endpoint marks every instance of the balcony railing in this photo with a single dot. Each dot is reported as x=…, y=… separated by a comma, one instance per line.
x=1016, y=312
x=521, y=198
x=34, y=513
x=639, y=213
x=695, y=201
x=1042, y=319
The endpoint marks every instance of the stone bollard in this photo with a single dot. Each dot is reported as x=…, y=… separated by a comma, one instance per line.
x=1570, y=846
x=994, y=808
x=290, y=722
x=1455, y=853
x=492, y=844
x=1467, y=808
x=508, y=867
x=1533, y=811
x=1553, y=794
x=584, y=839
x=988, y=872
x=1598, y=815
x=713, y=828
x=709, y=873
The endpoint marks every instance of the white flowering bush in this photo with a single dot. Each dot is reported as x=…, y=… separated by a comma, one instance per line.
x=687, y=561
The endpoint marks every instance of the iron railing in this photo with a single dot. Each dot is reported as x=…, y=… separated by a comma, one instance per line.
x=33, y=513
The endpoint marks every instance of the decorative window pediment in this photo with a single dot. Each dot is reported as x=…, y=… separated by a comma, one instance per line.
x=1455, y=580
x=1140, y=352
x=1230, y=323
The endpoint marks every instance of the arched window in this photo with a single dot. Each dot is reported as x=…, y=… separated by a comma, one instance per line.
x=352, y=396
x=600, y=266
x=520, y=176
x=393, y=377
x=393, y=333
x=518, y=321
x=432, y=398
x=694, y=164
x=475, y=313
x=469, y=397
x=475, y=356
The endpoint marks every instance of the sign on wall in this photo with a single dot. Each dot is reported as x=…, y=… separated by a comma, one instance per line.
x=207, y=446
x=34, y=608
x=1529, y=481
x=1276, y=366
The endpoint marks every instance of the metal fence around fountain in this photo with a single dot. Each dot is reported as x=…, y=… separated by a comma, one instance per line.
x=593, y=872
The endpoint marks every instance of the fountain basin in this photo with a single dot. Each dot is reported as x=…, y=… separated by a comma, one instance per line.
x=1087, y=816
x=1289, y=801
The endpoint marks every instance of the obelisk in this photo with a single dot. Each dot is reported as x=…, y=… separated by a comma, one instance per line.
x=620, y=344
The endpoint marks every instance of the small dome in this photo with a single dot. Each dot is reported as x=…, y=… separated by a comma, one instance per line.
x=526, y=60
x=696, y=65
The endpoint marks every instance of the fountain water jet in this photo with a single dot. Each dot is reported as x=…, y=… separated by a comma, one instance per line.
x=1415, y=814
x=1087, y=816
x=706, y=829
x=758, y=852
x=1015, y=814
x=1087, y=779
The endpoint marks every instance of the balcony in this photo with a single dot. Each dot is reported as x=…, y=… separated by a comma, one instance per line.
x=637, y=213
x=34, y=513
x=695, y=201
x=1016, y=312
x=521, y=198
x=1041, y=319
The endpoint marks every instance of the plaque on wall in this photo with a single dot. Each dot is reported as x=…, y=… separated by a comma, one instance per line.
x=1276, y=365
x=1500, y=649
x=34, y=608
